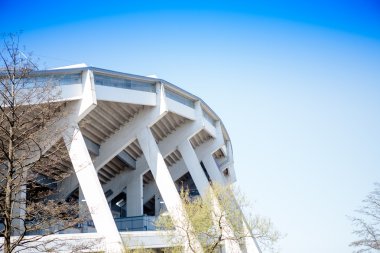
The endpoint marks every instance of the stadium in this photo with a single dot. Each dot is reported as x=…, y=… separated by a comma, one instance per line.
x=137, y=140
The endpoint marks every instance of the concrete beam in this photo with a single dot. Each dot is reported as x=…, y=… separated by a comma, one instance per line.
x=193, y=165
x=127, y=159
x=88, y=100
x=127, y=134
x=165, y=183
x=92, y=190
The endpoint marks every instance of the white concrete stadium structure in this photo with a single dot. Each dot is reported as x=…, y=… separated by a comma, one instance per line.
x=136, y=139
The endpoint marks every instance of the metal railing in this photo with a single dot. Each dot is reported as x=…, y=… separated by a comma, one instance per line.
x=124, y=83
x=136, y=223
x=57, y=79
x=179, y=98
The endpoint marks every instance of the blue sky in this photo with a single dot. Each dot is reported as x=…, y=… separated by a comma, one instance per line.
x=297, y=85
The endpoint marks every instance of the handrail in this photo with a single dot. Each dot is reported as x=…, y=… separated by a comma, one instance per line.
x=136, y=223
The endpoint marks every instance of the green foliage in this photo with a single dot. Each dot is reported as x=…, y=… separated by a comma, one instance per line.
x=213, y=217
x=139, y=250
x=145, y=250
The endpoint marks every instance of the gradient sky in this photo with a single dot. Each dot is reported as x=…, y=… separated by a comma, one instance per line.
x=297, y=85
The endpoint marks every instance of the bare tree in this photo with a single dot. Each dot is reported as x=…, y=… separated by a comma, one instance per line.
x=31, y=152
x=367, y=224
x=215, y=219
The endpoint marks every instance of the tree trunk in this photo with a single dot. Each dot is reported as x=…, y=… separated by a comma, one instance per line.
x=8, y=196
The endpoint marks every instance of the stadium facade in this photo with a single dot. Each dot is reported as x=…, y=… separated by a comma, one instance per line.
x=136, y=140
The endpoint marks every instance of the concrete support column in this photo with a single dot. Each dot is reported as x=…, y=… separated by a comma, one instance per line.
x=250, y=242
x=216, y=176
x=67, y=186
x=202, y=184
x=232, y=175
x=157, y=204
x=164, y=181
x=83, y=211
x=19, y=210
x=135, y=197
x=88, y=101
x=92, y=190
x=194, y=167
x=159, y=170
x=126, y=202
x=213, y=170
